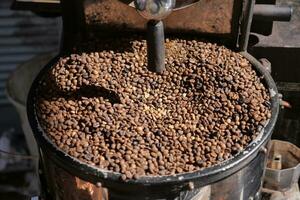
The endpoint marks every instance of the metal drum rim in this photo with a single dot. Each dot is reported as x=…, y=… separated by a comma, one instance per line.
x=109, y=178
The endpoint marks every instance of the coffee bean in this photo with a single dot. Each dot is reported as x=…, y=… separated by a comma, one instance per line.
x=105, y=108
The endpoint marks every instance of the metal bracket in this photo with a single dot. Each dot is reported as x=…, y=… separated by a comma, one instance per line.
x=267, y=64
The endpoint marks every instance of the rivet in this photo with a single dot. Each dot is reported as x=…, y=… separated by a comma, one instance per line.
x=98, y=184
x=263, y=150
x=191, y=185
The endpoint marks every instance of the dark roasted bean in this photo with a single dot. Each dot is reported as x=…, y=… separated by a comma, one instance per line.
x=107, y=109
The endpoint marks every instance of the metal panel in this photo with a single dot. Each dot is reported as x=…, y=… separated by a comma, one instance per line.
x=205, y=16
x=23, y=35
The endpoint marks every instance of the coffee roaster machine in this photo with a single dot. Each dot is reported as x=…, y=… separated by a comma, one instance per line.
x=228, y=22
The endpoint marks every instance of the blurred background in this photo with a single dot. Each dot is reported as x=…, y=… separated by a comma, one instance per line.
x=27, y=41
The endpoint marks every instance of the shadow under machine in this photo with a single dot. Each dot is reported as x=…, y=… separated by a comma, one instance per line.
x=225, y=22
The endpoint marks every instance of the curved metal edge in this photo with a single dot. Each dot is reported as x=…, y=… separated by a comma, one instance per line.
x=111, y=179
x=180, y=4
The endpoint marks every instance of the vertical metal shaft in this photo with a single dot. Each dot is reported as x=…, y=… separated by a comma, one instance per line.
x=156, y=46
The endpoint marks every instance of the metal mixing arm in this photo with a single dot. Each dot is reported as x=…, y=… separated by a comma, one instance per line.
x=155, y=11
x=178, y=5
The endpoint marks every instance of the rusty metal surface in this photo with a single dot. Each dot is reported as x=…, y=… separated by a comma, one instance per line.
x=61, y=185
x=205, y=16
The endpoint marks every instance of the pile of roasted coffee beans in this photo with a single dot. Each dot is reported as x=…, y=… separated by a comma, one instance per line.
x=107, y=109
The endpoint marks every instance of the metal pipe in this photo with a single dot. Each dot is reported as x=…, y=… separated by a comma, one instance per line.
x=156, y=46
x=265, y=12
x=246, y=20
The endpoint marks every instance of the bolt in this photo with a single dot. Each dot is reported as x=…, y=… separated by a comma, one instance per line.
x=266, y=63
x=191, y=185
